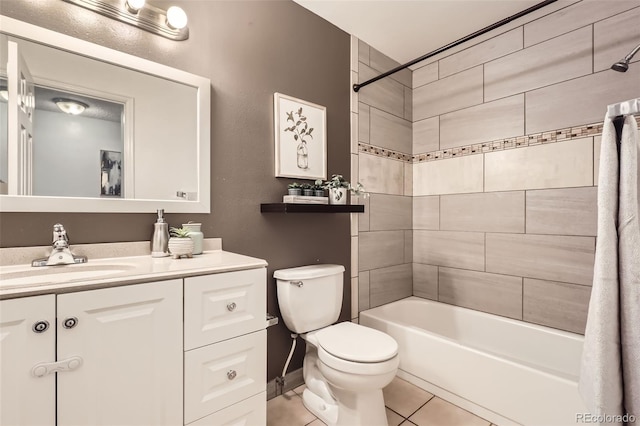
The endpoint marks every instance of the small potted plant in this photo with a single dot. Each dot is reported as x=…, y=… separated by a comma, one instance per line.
x=295, y=189
x=338, y=188
x=307, y=189
x=358, y=190
x=180, y=244
x=318, y=188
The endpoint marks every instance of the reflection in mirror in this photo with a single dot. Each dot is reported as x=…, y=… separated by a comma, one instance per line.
x=68, y=147
x=136, y=130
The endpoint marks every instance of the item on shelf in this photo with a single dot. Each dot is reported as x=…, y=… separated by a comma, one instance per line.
x=160, y=238
x=180, y=244
x=295, y=189
x=196, y=235
x=301, y=199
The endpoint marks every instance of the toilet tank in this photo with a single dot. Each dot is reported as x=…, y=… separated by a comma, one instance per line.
x=310, y=297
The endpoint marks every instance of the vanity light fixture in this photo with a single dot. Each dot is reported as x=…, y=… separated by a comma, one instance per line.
x=134, y=6
x=70, y=106
x=176, y=18
x=171, y=23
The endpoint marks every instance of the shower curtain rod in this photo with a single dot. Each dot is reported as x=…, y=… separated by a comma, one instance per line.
x=632, y=106
x=533, y=8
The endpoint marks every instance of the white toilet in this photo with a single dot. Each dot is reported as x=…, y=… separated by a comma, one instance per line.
x=346, y=365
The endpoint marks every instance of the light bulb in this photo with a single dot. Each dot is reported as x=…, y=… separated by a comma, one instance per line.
x=176, y=18
x=134, y=6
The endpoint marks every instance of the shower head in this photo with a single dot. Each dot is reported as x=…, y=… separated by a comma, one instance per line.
x=623, y=64
x=620, y=66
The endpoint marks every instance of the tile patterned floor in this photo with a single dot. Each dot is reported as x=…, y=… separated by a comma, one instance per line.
x=406, y=405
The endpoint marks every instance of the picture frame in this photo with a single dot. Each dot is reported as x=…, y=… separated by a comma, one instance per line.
x=300, y=138
x=110, y=173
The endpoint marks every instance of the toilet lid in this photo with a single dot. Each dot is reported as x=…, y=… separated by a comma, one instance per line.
x=353, y=342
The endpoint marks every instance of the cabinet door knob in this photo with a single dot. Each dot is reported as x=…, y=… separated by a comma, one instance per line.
x=231, y=306
x=70, y=322
x=231, y=374
x=40, y=326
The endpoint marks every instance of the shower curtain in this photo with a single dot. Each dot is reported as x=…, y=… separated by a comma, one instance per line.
x=610, y=370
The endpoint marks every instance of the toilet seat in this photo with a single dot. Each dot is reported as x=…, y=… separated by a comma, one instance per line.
x=358, y=368
x=353, y=342
x=356, y=349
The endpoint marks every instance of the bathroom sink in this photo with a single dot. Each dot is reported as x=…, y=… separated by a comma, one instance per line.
x=60, y=274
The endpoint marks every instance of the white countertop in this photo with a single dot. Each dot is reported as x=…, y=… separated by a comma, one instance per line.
x=24, y=280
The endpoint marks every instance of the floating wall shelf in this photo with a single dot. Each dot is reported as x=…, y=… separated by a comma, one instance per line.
x=310, y=208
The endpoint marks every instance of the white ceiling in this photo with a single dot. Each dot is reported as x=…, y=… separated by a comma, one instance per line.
x=407, y=29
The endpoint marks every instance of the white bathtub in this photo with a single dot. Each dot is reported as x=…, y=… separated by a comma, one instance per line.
x=506, y=371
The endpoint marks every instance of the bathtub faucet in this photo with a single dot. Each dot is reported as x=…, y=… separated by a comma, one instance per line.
x=61, y=253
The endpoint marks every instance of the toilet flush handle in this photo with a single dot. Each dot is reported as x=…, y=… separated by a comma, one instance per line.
x=296, y=283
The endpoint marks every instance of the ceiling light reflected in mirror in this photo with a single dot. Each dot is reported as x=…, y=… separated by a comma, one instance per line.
x=70, y=106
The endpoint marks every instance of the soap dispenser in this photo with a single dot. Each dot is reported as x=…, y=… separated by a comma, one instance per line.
x=160, y=239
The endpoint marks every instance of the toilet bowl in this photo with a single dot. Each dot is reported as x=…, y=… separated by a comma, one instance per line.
x=346, y=365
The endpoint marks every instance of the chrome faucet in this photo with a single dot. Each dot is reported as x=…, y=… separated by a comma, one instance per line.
x=61, y=254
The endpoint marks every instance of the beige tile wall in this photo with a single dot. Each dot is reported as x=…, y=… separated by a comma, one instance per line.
x=502, y=212
x=559, y=59
x=612, y=36
x=503, y=118
x=554, y=165
x=385, y=230
x=448, y=176
x=492, y=293
x=448, y=94
x=579, y=101
x=494, y=48
x=568, y=211
x=578, y=15
x=512, y=231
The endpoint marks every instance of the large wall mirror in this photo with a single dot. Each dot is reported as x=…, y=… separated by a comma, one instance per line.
x=85, y=128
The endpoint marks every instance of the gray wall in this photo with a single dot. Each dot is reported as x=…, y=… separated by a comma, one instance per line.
x=246, y=49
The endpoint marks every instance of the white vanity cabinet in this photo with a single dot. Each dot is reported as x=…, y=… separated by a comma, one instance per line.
x=225, y=348
x=130, y=341
x=118, y=357
x=27, y=338
x=169, y=348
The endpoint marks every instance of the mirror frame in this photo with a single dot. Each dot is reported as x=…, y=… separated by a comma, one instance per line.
x=30, y=203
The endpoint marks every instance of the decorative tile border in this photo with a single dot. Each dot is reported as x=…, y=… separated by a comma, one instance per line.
x=498, y=145
x=384, y=152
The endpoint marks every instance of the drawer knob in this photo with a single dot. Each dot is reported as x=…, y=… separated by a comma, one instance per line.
x=40, y=326
x=231, y=374
x=231, y=306
x=70, y=322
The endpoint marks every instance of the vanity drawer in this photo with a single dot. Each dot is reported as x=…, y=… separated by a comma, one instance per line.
x=222, y=306
x=217, y=376
x=251, y=411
